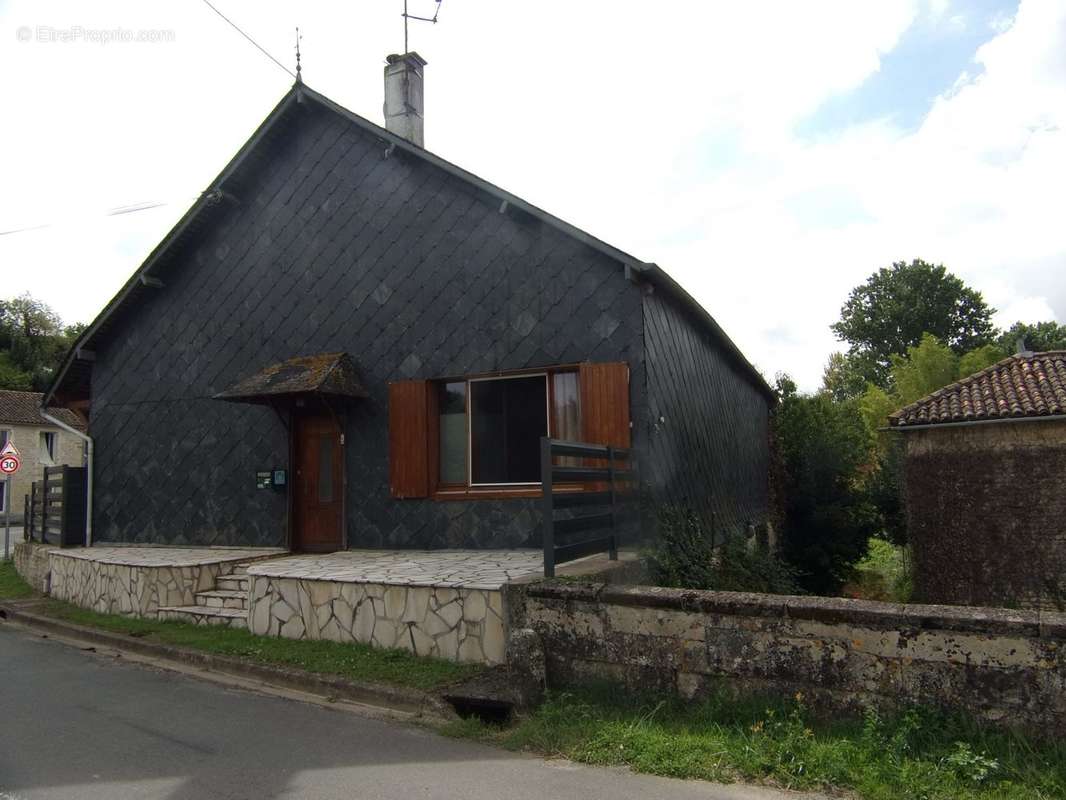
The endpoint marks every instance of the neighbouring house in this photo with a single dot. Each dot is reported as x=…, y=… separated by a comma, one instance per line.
x=985, y=485
x=40, y=442
x=348, y=342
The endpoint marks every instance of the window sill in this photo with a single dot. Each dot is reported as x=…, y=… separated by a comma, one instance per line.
x=494, y=493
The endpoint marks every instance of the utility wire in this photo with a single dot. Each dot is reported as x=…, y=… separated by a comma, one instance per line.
x=249, y=38
x=111, y=212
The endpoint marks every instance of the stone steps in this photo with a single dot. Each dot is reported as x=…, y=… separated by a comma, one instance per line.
x=223, y=598
x=203, y=615
x=233, y=583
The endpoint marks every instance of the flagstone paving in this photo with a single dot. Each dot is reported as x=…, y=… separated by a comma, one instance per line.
x=469, y=569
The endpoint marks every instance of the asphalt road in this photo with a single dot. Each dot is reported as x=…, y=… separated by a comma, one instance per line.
x=77, y=724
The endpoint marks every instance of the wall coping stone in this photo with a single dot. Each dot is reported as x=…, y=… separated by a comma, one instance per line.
x=966, y=619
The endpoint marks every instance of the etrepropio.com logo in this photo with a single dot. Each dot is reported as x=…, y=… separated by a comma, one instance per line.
x=78, y=34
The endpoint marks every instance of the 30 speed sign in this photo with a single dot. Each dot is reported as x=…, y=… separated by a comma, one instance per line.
x=9, y=465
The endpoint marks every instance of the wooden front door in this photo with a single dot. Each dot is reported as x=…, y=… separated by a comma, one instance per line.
x=318, y=486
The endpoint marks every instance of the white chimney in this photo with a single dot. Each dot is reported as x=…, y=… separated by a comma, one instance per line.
x=403, y=96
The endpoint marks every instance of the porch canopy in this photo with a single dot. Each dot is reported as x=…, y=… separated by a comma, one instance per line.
x=330, y=376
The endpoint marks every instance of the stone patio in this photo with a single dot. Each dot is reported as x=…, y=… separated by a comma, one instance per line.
x=446, y=604
x=442, y=603
x=469, y=569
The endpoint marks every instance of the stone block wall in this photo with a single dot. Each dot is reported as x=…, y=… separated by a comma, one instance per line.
x=31, y=562
x=1003, y=666
x=456, y=624
x=130, y=589
x=986, y=514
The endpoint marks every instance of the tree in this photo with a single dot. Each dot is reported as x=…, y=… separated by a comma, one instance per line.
x=924, y=369
x=33, y=341
x=897, y=305
x=1038, y=337
x=977, y=360
x=824, y=447
x=842, y=378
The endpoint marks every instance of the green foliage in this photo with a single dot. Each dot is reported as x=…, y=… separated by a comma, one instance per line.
x=825, y=448
x=918, y=754
x=843, y=377
x=897, y=305
x=927, y=367
x=979, y=359
x=884, y=574
x=33, y=342
x=1039, y=336
x=689, y=556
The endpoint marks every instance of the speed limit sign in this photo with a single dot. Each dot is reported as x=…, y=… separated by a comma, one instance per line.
x=10, y=460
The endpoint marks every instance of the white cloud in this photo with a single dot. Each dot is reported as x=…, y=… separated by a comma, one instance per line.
x=666, y=129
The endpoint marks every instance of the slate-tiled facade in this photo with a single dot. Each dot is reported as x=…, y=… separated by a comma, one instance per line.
x=333, y=243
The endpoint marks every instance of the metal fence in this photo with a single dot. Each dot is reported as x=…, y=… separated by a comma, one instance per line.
x=54, y=511
x=590, y=479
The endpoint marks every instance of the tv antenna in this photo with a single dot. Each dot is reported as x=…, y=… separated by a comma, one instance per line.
x=298, y=38
x=407, y=16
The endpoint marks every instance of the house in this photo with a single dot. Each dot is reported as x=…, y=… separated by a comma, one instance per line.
x=985, y=460
x=40, y=442
x=348, y=342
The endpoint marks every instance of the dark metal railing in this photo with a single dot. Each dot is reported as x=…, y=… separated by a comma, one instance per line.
x=54, y=511
x=592, y=487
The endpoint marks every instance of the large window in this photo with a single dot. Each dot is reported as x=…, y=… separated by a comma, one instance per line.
x=490, y=428
x=479, y=435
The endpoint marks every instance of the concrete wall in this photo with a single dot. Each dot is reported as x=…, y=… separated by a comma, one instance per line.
x=27, y=438
x=1003, y=666
x=986, y=514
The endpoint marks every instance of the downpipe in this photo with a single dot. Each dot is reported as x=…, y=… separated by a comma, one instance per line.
x=88, y=471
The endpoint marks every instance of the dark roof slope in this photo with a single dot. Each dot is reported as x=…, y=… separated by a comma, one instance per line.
x=328, y=373
x=24, y=408
x=1026, y=385
x=72, y=379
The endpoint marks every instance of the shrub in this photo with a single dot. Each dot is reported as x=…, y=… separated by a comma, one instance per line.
x=686, y=555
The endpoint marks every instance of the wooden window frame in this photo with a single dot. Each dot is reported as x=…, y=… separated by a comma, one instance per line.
x=468, y=490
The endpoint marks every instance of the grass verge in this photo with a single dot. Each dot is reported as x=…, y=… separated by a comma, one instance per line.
x=353, y=661
x=12, y=587
x=916, y=755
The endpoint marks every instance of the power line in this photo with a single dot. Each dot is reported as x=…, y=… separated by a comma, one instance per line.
x=249, y=38
x=110, y=212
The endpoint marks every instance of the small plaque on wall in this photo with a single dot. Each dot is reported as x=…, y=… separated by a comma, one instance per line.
x=262, y=480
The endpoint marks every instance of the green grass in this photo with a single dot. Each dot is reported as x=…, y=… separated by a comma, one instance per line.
x=882, y=575
x=918, y=755
x=12, y=587
x=354, y=661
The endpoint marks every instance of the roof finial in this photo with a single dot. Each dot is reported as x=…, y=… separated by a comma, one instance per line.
x=299, y=79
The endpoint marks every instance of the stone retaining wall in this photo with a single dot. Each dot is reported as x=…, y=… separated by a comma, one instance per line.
x=130, y=589
x=31, y=562
x=1003, y=666
x=444, y=622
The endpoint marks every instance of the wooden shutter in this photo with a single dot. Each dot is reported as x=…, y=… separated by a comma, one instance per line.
x=408, y=439
x=605, y=403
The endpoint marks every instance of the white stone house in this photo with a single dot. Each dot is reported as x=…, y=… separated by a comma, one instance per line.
x=40, y=444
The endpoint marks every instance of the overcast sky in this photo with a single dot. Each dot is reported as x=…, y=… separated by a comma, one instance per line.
x=769, y=155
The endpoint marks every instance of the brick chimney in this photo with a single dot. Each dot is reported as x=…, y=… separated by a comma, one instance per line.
x=403, y=96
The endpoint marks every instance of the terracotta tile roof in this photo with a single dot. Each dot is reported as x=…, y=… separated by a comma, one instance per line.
x=23, y=408
x=1023, y=385
x=327, y=373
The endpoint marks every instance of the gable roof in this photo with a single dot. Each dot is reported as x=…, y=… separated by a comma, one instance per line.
x=324, y=374
x=24, y=408
x=72, y=378
x=1023, y=386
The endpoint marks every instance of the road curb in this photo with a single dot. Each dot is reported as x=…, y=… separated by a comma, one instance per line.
x=410, y=702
